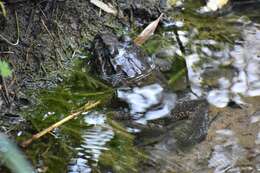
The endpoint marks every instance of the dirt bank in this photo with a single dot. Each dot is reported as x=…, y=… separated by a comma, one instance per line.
x=39, y=40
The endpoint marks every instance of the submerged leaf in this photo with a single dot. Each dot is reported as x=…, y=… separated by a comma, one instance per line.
x=147, y=32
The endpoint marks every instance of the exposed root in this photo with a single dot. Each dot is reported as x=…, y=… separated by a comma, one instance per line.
x=4, y=90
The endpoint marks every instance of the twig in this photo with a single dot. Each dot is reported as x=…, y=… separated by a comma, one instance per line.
x=12, y=82
x=32, y=13
x=5, y=91
x=86, y=107
x=7, y=52
x=18, y=33
x=46, y=28
x=54, y=44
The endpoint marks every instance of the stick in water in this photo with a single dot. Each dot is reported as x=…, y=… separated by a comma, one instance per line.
x=86, y=107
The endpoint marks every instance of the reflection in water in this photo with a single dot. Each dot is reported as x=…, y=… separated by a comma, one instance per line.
x=148, y=102
x=226, y=154
x=247, y=62
x=223, y=72
x=255, y=118
x=243, y=77
x=257, y=141
x=94, y=142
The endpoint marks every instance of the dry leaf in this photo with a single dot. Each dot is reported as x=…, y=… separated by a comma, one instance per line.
x=104, y=7
x=147, y=32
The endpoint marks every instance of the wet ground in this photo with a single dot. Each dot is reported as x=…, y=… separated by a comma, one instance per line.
x=222, y=56
x=48, y=34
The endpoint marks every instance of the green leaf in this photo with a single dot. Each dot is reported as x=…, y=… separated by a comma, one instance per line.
x=5, y=70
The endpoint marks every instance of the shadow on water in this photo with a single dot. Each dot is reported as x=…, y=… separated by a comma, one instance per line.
x=222, y=57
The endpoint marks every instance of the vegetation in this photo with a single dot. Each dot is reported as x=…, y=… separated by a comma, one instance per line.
x=5, y=69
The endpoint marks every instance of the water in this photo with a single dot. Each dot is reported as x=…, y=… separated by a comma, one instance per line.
x=223, y=71
x=226, y=154
x=242, y=76
x=147, y=103
x=93, y=144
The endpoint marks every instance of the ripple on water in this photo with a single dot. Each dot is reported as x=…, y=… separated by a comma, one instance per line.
x=93, y=144
x=255, y=117
x=227, y=153
x=257, y=141
x=148, y=102
x=242, y=61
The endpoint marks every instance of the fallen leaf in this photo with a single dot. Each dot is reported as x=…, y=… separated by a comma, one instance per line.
x=104, y=7
x=147, y=32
